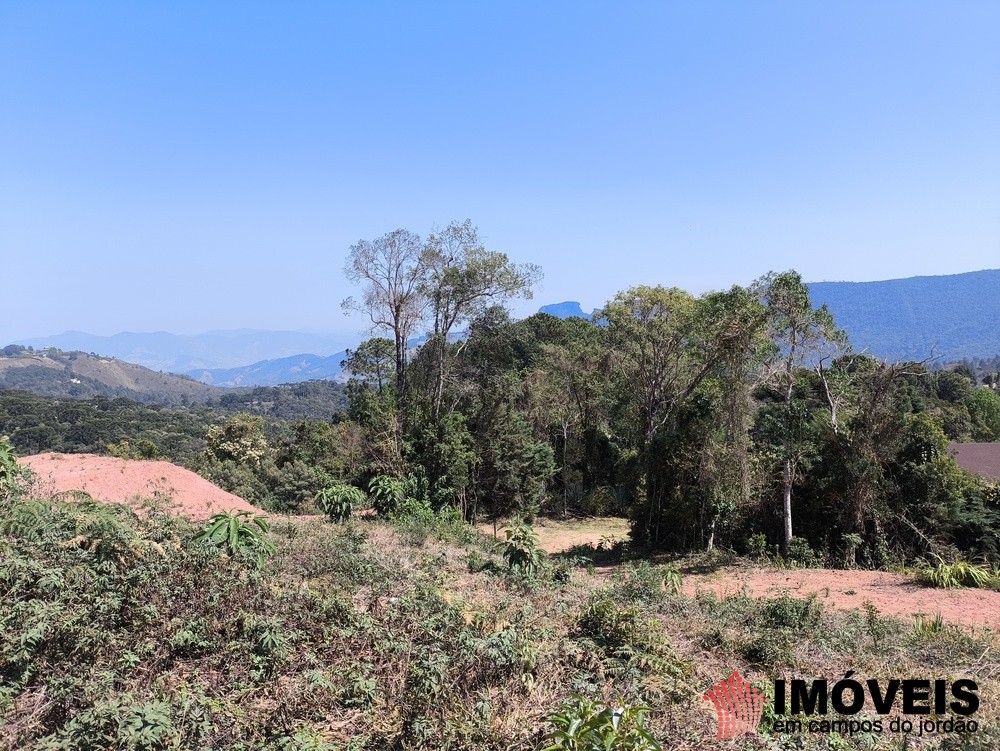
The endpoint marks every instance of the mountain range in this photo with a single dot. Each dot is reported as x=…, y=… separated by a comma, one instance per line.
x=214, y=349
x=943, y=317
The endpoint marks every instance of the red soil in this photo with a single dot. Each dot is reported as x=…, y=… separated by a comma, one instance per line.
x=112, y=480
x=894, y=595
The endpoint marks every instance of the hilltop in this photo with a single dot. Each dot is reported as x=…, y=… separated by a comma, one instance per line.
x=175, y=353
x=53, y=372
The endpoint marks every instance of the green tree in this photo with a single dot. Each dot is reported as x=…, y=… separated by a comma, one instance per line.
x=461, y=279
x=801, y=334
x=663, y=344
x=984, y=407
x=241, y=439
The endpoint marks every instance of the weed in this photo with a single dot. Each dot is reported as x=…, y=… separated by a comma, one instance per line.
x=959, y=573
x=925, y=628
x=874, y=624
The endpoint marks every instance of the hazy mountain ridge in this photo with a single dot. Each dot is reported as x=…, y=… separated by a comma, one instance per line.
x=948, y=317
x=177, y=353
x=295, y=369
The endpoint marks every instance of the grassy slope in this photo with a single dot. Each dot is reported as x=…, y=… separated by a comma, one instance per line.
x=117, y=633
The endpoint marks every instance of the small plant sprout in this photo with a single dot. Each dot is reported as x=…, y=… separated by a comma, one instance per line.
x=240, y=533
x=522, y=553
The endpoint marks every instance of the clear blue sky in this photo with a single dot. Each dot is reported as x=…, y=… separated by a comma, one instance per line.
x=187, y=166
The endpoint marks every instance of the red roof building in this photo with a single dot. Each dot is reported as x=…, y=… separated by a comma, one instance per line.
x=982, y=459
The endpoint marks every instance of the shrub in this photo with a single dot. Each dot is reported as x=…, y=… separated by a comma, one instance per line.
x=800, y=554
x=338, y=501
x=959, y=573
x=647, y=583
x=584, y=725
x=522, y=552
x=798, y=614
x=12, y=474
x=386, y=493
x=609, y=624
x=241, y=534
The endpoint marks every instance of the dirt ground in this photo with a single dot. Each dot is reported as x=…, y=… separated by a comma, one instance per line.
x=896, y=595
x=113, y=480
x=556, y=536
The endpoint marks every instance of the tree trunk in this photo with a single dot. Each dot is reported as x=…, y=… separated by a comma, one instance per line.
x=787, y=507
x=440, y=347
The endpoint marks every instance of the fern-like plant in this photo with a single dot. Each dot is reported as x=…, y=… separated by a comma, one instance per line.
x=240, y=533
x=11, y=472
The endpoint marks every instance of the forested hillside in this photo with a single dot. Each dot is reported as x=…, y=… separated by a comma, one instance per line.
x=948, y=317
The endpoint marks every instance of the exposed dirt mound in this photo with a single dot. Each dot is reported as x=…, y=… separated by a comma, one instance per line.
x=112, y=480
x=894, y=595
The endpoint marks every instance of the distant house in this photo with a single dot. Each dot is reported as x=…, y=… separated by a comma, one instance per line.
x=982, y=459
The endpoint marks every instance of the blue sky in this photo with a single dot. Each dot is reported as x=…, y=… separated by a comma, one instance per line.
x=189, y=166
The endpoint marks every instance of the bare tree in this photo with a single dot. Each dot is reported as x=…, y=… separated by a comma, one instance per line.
x=390, y=270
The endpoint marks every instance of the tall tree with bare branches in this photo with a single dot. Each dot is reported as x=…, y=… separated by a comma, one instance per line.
x=390, y=269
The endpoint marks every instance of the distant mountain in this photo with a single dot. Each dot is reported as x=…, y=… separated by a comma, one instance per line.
x=912, y=319
x=295, y=369
x=214, y=349
x=569, y=309
x=949, y=317
x=79, y=375
x=288, y=370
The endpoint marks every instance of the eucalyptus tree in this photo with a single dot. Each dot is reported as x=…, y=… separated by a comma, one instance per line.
x=460, y=280
x=802, y=335
x=663, y=345
x=391, y=270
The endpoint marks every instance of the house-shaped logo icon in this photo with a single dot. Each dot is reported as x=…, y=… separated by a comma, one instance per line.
x=738, y=706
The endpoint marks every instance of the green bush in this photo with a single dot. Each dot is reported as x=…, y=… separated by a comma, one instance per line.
x=959, y=573
x=585, y=725
x=241, y=534
x=339, y=501
x=609, y=624
x=522, y=553
x=386, y=493
x=797, y=614
x=645, y=582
